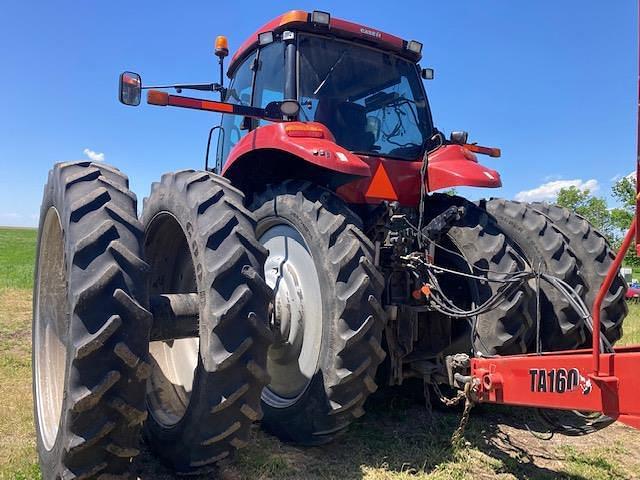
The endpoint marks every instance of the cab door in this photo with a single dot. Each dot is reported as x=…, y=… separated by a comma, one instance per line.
x=232, y=127
x=258, y=81
x=269, y=81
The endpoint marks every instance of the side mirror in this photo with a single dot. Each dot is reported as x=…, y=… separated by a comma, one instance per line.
x=428, y=73
x=459, y=138
x=130, y=89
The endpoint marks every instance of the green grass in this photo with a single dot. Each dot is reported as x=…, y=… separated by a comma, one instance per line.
x=597, y=464
x=17, y=257
x=631, y=326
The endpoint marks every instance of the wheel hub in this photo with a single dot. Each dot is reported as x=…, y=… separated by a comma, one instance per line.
x=174, y=360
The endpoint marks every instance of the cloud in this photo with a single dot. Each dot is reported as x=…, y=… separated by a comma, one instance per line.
x=617, y=177
x=550, y=178
x=549, y=190
x=95, y=156
x=10, y=215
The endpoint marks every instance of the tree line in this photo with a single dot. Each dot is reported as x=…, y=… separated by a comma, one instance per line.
x=612, y=222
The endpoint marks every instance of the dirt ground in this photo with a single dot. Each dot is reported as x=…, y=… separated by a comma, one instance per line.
x=397, y=439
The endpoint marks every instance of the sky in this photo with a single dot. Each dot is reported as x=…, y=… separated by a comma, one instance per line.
x=552, y=83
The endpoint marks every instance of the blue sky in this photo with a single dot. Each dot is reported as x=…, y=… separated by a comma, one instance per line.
x=551, y=83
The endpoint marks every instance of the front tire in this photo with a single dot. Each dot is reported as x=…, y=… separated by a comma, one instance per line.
x=327, y=312
x=90, y=325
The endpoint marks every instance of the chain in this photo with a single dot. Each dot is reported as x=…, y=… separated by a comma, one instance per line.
x=457, y=439
x=448, y=402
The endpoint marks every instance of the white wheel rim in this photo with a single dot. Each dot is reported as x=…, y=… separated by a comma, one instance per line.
x=50, y=355
x=292, y=360
x=173, y=362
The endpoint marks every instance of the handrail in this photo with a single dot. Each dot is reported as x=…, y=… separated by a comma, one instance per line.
x=604, y=288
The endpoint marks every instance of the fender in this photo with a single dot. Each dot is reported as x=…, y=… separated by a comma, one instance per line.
x=399, y=180
x=456, y=166
x=312, y=142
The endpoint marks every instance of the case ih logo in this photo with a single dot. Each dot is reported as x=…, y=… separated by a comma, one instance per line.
x=371, y=33
x=558, y=380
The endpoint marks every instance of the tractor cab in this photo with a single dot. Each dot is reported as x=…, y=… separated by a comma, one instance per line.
x=312, y=96
x=362, y=84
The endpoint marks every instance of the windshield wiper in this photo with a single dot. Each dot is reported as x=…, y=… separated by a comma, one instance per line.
x=324, y=80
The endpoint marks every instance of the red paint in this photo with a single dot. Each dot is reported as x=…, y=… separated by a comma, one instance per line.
x=449, y=166
x=338, y=27
x=355, y=30
x=507, y=380
x=604, y=289
x=323, y=152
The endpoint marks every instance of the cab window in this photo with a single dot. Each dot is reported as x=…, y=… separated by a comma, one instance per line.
x=239, y=93
x=269, y=85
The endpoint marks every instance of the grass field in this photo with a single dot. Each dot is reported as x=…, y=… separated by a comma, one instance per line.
x=17, y=252
x=396, y=440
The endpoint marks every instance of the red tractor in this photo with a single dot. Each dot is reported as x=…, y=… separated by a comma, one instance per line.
x=311, y=263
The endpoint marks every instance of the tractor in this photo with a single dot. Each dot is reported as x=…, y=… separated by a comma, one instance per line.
x=317, y=256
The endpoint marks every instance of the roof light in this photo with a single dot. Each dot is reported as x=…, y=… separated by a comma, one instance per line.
x=294, y=16
x=320, y=18
x=265, y=38
x=221, y=46
x=415, y=47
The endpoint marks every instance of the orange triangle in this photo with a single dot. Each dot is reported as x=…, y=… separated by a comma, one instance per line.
x=380, y=186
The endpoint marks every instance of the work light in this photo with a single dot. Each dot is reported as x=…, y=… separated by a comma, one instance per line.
x=414, y=46
x=290, y=108
x=265, y=38
x=320, y=18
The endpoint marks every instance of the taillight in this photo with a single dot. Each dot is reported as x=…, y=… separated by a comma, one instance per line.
x=301, y=130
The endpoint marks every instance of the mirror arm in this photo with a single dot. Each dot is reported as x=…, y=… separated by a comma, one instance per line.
x=205, y=87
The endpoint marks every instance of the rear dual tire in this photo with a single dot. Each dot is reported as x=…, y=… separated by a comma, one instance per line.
x=546, y=249
x=90, y=325
x=486, y=251
x=204, y=393
x=565, y=245
x=595, y=257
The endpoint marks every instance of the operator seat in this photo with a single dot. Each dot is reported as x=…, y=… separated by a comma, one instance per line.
x=347, y=121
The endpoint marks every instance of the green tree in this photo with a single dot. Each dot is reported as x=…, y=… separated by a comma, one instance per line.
x=613, y=223
x=590, y=207
x=624, y=191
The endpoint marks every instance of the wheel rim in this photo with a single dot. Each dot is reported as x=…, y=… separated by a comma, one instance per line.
x=49, y=335
x=173, y=362
x=292, y=360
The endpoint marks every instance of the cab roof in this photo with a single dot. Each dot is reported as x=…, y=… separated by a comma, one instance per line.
x=302, y=21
